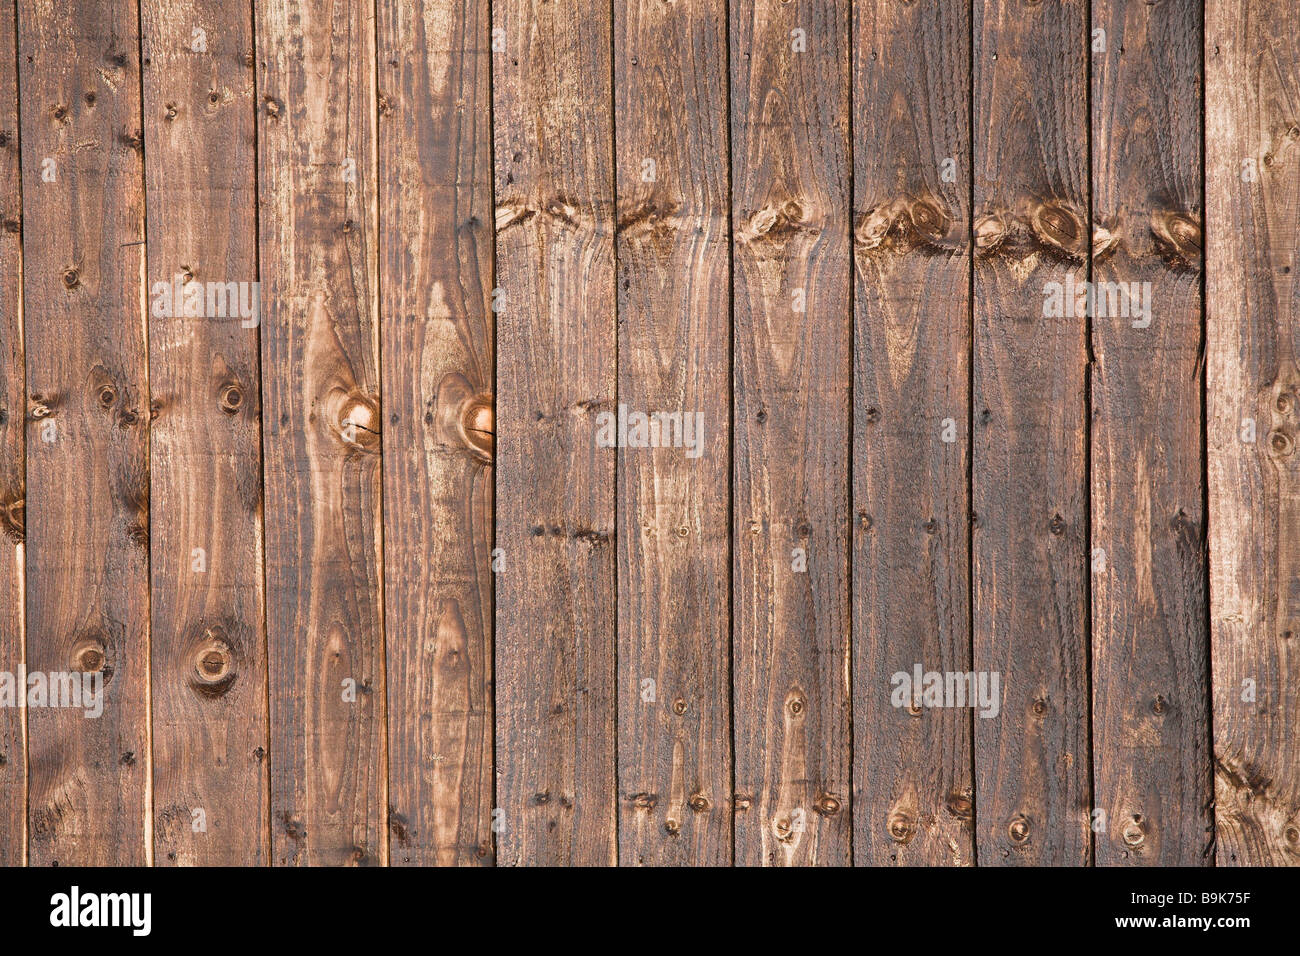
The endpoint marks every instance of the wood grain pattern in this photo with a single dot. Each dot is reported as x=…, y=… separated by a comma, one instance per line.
x=435, y=255
x=913, y=799
x=321, y=429
x=555, y=487
x=208, y=649
x=790, y=640
x=13, y=755
x=674, y=266
x=1029, y=495
x=1150, y=693
x=88, y=425
x=1252, y=186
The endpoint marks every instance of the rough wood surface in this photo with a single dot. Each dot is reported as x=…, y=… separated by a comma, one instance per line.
x=1029, y=495
x=321, y=430
x=87, y=411
x=790, y=641
x=1252, y=188
x=435, y=258
x=13, y=758
x=555, y=635
x=208, y=646
x=1150, y=693
x=674, y=265
x=913, y=800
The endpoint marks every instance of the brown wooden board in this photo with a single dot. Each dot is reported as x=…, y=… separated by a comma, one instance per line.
x=913, y=800
x=321, y=430
x=13, y=752
x=790, y=639
x=87, y=440
x=1252, y=191
x=435, y=257
x=674, y=358
x=1029, y=495
x=555, y=486
x=1150, y=691
x=208, y=646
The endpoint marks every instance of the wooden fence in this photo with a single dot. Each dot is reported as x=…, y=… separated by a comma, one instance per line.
x=649, y=432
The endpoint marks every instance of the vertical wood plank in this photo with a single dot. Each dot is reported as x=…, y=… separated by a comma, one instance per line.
x=1029, y=497
x=208, y=648
x=435, y=256
x=674, y=265
x=13, y=770
x=88, y=425
x=790, y=204
x=321, y=429
x=1252, y=64
x=913, y=800
x=1150, y=694
x=555, y=486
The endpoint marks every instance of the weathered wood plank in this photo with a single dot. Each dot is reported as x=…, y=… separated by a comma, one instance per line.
x=13, y=467
x=674, y=265
x=88, y=425
x=321, y=429
x=1252, y=65
x=435, y=257
x=208, y=646
x=1029, y=495
x=555, y=485
x=1150, y=650
x=790, y=204
x=913, y=800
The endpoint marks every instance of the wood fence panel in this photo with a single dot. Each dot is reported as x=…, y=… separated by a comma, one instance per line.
x=321, y=429
x=555, y=610
x=435, y=256
x=208, y=645
x=674, y=357
x=1150, y=675
x=1029, y=496
x=87, y=513
x=790, y=640
x=1252, y=187
x=913, y=799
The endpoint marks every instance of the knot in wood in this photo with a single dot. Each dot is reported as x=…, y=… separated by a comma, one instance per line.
x=990, y=231
x=1018, y=830
x=1177, y=236
x=13, y=518
x=477, y=425
x=874, y=226
x=827, y=805
x=929, y=222
x=89, y=654
x=1059, y=226
x=961, y=806
x=213, y=661
x=232, y=397
x=902, y=827
x=1134, y=834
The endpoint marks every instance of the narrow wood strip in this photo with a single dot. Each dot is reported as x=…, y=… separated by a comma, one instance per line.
x=555, y=486
x=1029, y=497
x=87, y=412
x=1252, y=186
x=13, y=756
x=435, y=257
x=674, y=352
x=913, y=799
x=321, y=429
x=1150, y=651
x=790, y=644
